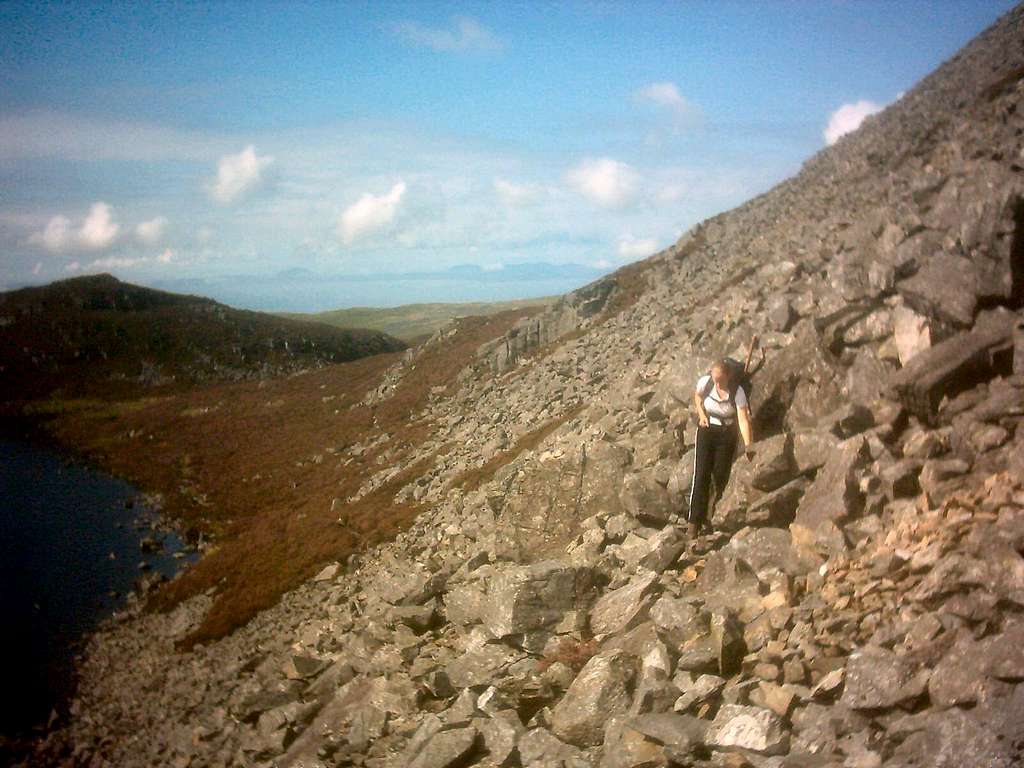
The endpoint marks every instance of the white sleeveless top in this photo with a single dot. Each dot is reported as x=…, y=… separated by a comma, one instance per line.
x=721, y=411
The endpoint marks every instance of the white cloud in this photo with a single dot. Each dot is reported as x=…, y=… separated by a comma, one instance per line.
x=57, y=235
x=635, y=248
x=74, y=266
x=150, y=232
x=513, y=194
x=238, y=175
x=369, y=213
x=37, y=268
x=666, y=95
x=848, y=118
x=166, y=257
x=464, y=35
x=98, y=231
x=604, y=181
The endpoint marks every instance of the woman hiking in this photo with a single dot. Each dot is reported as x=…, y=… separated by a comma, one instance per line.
x=722, y=404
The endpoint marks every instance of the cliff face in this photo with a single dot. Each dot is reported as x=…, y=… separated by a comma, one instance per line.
x=859, y=603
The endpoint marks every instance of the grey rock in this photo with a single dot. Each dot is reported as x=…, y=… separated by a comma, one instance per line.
x=876, y=678
x=932, y=292
x=525, y=598
x=748, y=728
x=446, y=748
x=835, y=494
x=623, y=608
x=947, y=367
x=774, y=465
x=600, y=690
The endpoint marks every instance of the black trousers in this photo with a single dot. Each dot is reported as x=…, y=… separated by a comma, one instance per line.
x=714, y=451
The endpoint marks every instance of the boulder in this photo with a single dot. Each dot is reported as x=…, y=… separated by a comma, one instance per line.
x=446, y=748
x=769, y=549
x=911, y=333
x=777, y=509
x=876, y=678
x=748, y=728
x=600, y=690
x=811, y=449
x=972, y=667
x=835, y=494
x=945, y=288
x=950, y=367
x=774, y=465
x=623, y=608
x=645, y=498
x=526, y=598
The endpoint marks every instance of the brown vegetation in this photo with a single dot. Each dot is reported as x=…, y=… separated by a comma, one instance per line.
x=258, y=464
x=572, y=652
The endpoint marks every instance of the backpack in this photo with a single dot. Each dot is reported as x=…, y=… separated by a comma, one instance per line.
x=740, y=375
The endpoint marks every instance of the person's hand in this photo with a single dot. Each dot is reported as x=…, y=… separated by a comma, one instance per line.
x=702, y=419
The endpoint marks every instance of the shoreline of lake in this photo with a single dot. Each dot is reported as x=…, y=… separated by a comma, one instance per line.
x=78, y=542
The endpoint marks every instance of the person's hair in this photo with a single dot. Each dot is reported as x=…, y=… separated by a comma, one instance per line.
x=723, y=365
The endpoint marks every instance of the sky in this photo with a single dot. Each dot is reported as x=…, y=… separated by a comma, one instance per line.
x=215, y=144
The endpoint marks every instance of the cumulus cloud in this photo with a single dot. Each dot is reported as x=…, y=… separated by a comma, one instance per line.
x=666, y=95
x=634, y=248
x=369, y=213
x=604, y=181
x=848, y=118
x=97, y=232
x=56, y=237
x=515, y=194
x=238, y=175
x=150, y=232
x=465, y=34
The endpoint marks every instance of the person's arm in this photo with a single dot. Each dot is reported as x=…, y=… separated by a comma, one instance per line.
x=743, y=416
x=746, y=430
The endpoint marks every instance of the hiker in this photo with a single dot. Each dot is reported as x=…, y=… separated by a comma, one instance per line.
x=721, y=401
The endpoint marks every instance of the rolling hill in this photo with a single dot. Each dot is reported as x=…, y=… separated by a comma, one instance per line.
x=414, y=322
x=97, y=336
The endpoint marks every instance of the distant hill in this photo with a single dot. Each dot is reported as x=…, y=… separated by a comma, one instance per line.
x=97, y=336
x=411, y=322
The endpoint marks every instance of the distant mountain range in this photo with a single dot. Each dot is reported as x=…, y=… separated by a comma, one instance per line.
x=99, y=337
x=303, y=290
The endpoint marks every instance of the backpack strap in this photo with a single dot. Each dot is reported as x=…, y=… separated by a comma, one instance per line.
x=707, y=387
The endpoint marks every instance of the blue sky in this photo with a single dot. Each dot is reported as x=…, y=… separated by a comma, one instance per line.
x=164, y=141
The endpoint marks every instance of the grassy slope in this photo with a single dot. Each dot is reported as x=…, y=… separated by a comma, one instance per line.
x=411, y=322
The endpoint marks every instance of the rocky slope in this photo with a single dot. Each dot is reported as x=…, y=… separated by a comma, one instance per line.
x=860, y=603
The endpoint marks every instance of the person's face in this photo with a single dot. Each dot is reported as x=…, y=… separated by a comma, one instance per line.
x=720, y=376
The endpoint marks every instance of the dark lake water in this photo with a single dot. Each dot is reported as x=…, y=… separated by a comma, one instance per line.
x=69, y=553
